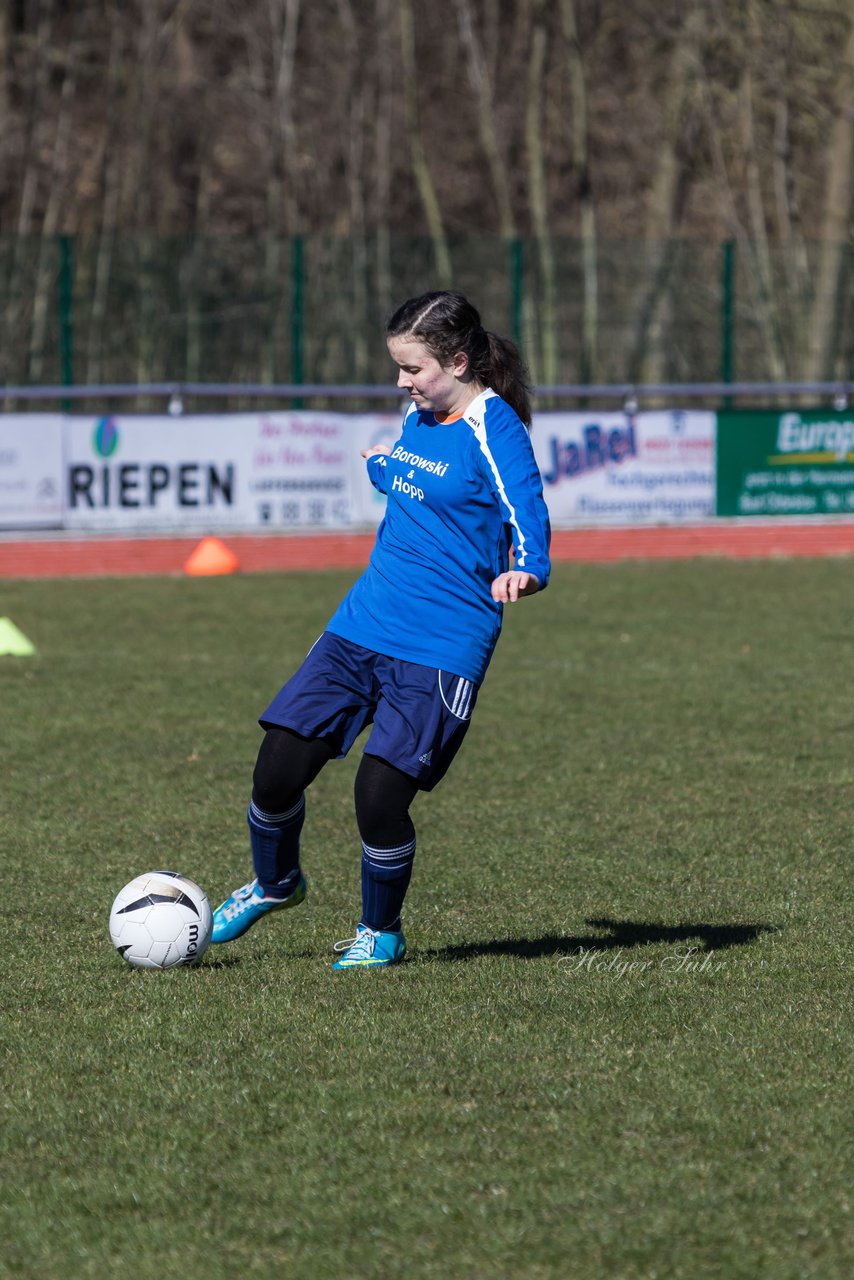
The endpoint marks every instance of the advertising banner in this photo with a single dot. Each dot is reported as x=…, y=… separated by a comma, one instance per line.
x=616, y=468
x=31, y=471
x=785, y=464
x=370, y=429
x=275, y=470
x=306, y=470
x=153, y=472
x=303, y=470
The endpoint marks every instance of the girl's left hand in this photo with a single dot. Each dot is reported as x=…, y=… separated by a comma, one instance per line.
x=508, y=587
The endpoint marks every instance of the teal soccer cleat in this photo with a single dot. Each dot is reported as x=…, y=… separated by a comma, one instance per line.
x=246, y=907
x=371, y=948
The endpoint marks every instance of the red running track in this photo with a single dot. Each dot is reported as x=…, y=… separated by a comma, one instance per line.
x=87, y=557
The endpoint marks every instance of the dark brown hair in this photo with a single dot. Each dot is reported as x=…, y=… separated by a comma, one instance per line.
x=447, y=323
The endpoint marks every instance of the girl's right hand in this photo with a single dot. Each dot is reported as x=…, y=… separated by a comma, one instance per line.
x=375, y=449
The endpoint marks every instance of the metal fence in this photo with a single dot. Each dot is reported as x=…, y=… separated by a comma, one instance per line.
x=307, y=312
x=177, y=397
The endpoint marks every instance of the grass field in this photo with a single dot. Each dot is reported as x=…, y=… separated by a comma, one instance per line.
x=621, y=1043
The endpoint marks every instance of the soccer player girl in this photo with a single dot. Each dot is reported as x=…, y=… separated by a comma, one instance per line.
x=408, y=647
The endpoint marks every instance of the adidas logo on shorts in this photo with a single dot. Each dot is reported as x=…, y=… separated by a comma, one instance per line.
x=427, y=757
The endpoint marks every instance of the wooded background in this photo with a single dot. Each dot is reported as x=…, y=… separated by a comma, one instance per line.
x=201, y=176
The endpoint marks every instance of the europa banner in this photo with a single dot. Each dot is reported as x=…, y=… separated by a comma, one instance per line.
x=615, y=468
x=785, y=464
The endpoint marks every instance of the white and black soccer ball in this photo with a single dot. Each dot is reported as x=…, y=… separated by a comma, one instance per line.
x=160, y=920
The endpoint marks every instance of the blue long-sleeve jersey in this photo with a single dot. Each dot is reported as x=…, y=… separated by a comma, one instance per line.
x=459, y=494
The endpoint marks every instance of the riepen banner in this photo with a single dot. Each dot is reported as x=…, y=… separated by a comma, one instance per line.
x=276, y=470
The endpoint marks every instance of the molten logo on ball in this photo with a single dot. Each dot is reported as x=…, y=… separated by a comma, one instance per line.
x=161, y=920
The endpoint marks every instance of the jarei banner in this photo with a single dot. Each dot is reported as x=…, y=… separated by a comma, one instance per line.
x=615, y=468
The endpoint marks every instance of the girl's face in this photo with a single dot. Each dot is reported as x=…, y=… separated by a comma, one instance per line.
x=432, y=386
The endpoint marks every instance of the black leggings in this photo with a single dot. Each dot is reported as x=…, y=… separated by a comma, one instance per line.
x=287, y=764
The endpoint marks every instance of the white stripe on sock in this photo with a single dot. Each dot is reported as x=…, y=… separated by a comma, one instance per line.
x=389, y=855
x=276, y=819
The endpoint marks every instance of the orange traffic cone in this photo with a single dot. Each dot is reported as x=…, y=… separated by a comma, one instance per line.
x=211, y=556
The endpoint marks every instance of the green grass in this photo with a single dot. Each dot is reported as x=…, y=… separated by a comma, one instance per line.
x=620, y=1044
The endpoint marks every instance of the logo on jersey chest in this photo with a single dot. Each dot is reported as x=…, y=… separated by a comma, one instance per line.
x=415, y=460
x=408, y=486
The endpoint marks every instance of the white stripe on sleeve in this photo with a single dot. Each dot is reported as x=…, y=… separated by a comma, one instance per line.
x=474, y=416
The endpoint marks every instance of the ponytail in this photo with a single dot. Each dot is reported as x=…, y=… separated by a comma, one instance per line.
x=447, y=323
x=509, y=376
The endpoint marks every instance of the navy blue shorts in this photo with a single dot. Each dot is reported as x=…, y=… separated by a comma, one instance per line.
x=419, y=714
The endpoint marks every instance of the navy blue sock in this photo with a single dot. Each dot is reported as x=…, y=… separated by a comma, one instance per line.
x=385, y=878
x=275, y=847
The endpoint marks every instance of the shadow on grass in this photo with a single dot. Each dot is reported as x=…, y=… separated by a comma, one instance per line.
x=622, y=934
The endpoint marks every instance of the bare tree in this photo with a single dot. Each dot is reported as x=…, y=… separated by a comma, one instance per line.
x=383, y=115
x=758, y=221
x=665, y=200
x=283, y=213
x=538, y=193
x=276, y=119
x=583, y=191
x=38, y=68
x=192, y=266
x=484, y=92
x=420, y=167
x=743, y=199
x=44, y=288
x=111, y=181
x=282, y=210
x=836, y=223
x=786, y=203
x=43, y=54
x=357, y=96
x=5, y=41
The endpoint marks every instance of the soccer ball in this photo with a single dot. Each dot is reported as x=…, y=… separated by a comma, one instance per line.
x=160, y=920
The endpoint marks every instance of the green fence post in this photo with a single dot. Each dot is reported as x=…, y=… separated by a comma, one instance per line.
x=65, y=290
x=517, y=290
x=297, y=313
x=727, y=313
